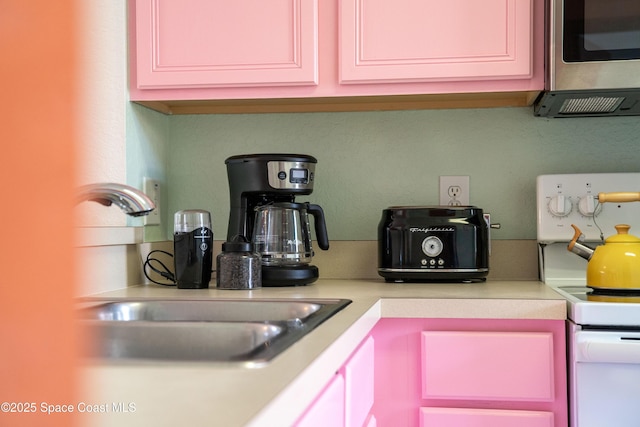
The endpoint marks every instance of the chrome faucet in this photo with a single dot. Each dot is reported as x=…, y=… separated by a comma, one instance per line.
x=132, y=201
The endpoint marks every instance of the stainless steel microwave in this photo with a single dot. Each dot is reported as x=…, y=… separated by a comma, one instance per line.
x=592, y=59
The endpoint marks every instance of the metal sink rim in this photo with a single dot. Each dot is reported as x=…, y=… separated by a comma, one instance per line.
x=134, y=310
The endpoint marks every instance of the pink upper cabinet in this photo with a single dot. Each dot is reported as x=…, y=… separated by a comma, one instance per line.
x=203, y=50
x=221, y=43
x=435, y=40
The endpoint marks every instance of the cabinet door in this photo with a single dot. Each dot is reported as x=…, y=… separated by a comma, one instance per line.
x=359, y=384
x=435, y=40
x=464, y=417
x=221, y=43
x=328, y=408
x=488, y=365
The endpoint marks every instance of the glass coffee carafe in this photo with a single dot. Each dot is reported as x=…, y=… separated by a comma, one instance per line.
x=282, y=236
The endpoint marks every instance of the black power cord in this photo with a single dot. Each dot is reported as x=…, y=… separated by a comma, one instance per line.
x=160, y=268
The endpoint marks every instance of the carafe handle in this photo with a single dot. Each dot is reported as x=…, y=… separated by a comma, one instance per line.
x=320, y=226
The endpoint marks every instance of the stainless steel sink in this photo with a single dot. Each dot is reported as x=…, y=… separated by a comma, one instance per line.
x=251, y=332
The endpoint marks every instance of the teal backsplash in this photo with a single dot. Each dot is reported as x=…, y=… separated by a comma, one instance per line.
x=368, y=161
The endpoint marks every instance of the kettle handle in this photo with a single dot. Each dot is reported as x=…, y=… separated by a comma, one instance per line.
x=620, y=197
x=320, y=226
x=578, y=248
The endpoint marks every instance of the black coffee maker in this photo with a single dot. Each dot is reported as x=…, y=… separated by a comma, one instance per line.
x=263, y=188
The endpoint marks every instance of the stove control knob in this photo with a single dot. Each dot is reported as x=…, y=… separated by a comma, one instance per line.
x=432, y=246
x=559, y=206
x=588, y=206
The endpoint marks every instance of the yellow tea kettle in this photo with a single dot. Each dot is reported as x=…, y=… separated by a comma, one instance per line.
x=616, y=264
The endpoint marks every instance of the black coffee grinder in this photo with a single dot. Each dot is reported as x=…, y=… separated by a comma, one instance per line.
x=265, y=186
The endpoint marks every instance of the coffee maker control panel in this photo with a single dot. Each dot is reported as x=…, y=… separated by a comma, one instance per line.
x=284, y=175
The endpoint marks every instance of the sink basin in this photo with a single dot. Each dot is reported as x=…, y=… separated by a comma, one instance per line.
x=182, y=341
x=251, y=332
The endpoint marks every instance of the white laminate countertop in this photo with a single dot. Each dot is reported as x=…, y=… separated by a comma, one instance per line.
x=195, y=394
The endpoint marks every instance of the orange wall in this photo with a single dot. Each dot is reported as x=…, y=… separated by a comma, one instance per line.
x=37, y=335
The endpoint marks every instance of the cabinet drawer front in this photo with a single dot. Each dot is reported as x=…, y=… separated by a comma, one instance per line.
x=464, y=417
x=219, y=43
x=488, y=365
x=435, y=40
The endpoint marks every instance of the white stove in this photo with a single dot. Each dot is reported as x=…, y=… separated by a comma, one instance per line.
x=568, y=199
x=603, y=330
x=593, y=311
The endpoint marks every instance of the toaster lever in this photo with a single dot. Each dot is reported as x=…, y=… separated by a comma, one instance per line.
x=487, y=218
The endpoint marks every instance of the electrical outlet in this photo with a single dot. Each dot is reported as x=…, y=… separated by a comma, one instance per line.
x=151, y=188
x=454, y=190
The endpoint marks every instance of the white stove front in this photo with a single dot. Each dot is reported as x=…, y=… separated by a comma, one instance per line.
x=603, y=337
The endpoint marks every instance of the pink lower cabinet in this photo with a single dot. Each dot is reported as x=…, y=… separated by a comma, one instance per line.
x=328, y=408
x=470, y=372
x=465, y=417
x=348, y=398
x=474, y=365
x=359, y=384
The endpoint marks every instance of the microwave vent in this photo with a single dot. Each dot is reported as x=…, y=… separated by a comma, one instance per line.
x=591, y=105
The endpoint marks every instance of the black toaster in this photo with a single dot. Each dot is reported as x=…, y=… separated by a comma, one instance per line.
x=433, y=244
